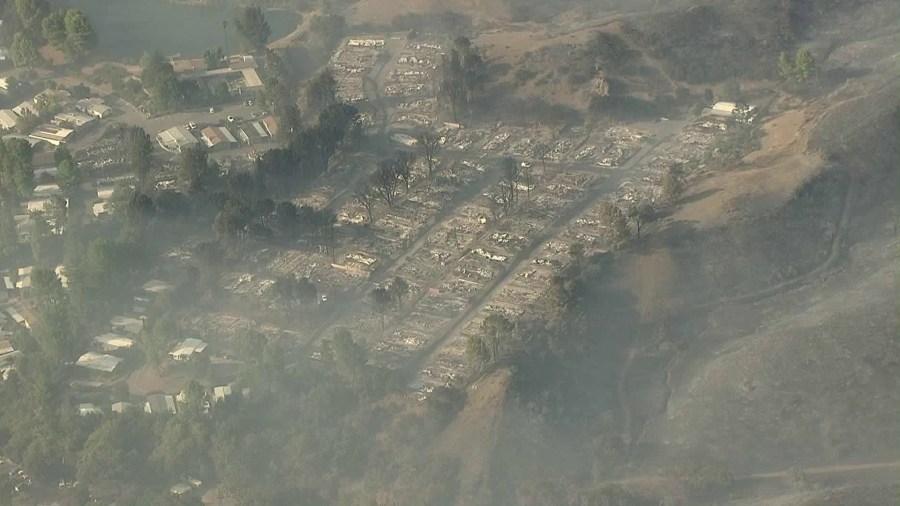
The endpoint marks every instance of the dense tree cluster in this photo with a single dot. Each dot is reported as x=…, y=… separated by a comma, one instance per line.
x=604, y=54
x=69, y=31
x=16, y=169
x=799, y=68
x=158, y=76
x=329, y=29
x=463, y=75
x=309, y=150
x=138, y=147
x=252, y=27
x=24, y=51
x=214, y=58
x=322, y=91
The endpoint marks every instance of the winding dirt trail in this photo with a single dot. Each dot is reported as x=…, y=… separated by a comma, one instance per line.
x=829, y=263
x=658, y=479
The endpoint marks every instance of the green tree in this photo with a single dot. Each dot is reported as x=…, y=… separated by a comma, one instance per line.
x=47, y=106
x=497, y=331
x=24, y=52
x=329, y=28
x=182, y=449
x=58, y=213
x=565, y=291
x=195, y=169
x=68, y=177
x=40, y=234
x=158, y=76
x=673, y=184
x=117, y=204
x=54, y=28
x=250, y=344
x=350, y=358
x=138, y=152
x=55, y=334
x=16, y=167
x=194, y=397
x=785, y=66
x=117, y=450
x=156, y=339
x=252, y=27
x=804, y=65
x=31, y=13
x=80, y=36
x=214, y=58
x=322, y=91
x=138, y=213
x=8, y=233
x=615, y=221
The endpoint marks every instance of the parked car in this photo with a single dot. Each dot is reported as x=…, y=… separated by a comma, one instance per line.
x=231, y=119
x=212, y=110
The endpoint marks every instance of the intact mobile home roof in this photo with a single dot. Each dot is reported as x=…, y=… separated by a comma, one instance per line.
x=98, y=362
x=111, y=341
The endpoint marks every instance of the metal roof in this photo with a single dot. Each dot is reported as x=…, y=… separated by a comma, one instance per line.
x=98, y=362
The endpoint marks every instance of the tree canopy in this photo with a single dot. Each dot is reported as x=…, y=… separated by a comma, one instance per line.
x=252, y=27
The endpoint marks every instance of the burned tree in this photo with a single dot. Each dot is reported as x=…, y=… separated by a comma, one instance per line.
x=527, y=179
x=403, y=166
x=398, y=290
x=463, y=74
x=541, y=151
x=386, y=181
x=641, y=213
x=364, y=196
x=510, y=182
x=381, y=300
x=430, y=145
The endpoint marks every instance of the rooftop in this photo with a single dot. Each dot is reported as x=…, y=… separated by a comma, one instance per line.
x=8, y=119
x=98, y=362
x=176, y=138
x=121, y=407
x=251, y=78
x=156, y=286
x=88, y=408
x=111, y=341
x=187, y=348
x=127, y=324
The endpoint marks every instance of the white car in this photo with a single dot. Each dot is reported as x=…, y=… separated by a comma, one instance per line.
x=231, y=119
x=192, y=126
x=212, y=110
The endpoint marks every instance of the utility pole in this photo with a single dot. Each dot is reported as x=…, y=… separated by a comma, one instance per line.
x=227, y=56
